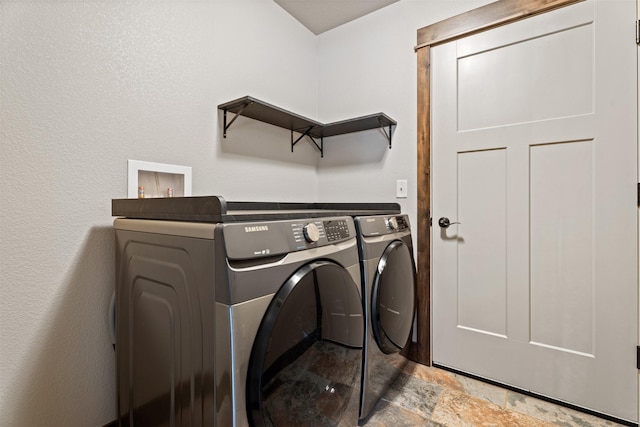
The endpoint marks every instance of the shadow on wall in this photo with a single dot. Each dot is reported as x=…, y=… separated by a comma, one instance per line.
x=357, y=148
x=251, y=138
x=70, y=377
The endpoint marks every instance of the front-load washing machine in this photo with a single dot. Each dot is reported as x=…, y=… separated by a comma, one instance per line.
x=289, y=303
x=238, y=323
x=389, y=290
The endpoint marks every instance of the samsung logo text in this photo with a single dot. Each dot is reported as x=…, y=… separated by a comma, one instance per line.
x=254, y=228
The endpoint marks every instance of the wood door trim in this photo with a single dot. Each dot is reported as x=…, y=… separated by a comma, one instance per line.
x=421, y=351
x=494, y=14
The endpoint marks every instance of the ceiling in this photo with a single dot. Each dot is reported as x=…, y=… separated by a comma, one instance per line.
x=323, y=15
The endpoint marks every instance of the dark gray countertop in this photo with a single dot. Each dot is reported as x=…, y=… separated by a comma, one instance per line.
x=217, y=209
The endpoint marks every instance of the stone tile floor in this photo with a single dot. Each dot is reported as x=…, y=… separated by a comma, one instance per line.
x=430, y=397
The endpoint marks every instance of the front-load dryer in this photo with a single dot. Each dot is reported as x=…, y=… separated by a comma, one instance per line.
x=389, y=290
x=290, y=324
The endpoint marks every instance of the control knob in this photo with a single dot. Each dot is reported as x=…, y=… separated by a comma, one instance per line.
x=311, y=232
x=392, y=223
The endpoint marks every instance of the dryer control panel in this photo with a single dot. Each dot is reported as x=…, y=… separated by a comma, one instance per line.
x=383, y=224
x=255, y=240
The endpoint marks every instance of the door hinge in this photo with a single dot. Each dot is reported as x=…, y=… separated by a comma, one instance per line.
x=638, y=31
x=638, y=357
x=639, y=194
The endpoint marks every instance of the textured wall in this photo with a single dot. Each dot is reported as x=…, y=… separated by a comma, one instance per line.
x=86, y=85
x=368, y=66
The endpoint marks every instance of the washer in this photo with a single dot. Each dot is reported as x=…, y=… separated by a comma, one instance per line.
x=239, y=323
x=389, y=288
x=296, y=339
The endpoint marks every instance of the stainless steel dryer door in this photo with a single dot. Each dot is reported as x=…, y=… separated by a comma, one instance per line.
x=393, y=298
x=306, y=359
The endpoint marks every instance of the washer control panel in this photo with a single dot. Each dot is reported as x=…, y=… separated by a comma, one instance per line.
x=263, y=239
x=332, y=230
x=307, y=231
x=336, y=230
x=383, y=224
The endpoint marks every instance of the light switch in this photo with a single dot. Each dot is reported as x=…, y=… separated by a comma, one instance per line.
x=401, y=189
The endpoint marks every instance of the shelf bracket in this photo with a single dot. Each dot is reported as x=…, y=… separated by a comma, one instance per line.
x=387, y=135
x=321, y=146
x=227, y=125
x=304, y=133
x=312, y=139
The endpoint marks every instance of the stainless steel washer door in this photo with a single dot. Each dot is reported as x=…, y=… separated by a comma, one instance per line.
x=305, y=362
x=393, y=298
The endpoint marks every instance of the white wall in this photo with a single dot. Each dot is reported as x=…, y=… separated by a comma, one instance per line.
x=86, y=85
x=365, y=67
x=368, y=66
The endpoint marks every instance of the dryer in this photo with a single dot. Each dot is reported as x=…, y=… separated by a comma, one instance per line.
x=389, y=299
x=238, y=323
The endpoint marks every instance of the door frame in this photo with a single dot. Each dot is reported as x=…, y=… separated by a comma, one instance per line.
x=492, y=15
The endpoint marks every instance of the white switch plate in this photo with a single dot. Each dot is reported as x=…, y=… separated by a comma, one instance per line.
x=401, y=189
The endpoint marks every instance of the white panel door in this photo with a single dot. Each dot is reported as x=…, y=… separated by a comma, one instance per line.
x=534, y=151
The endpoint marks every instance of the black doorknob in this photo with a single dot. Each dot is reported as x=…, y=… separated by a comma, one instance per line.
x=445, y=223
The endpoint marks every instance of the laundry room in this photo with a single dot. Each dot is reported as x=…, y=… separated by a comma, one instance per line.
x=87, y=86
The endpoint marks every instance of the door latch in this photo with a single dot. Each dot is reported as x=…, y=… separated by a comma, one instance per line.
x=444, y=222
